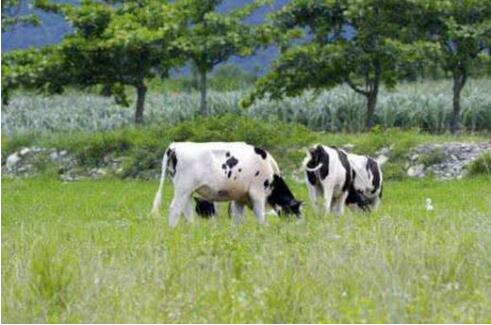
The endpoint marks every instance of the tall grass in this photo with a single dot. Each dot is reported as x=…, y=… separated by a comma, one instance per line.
x=425, y=105
x=88, y=252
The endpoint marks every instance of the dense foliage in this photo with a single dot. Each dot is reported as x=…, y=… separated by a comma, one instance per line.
x=363, y=44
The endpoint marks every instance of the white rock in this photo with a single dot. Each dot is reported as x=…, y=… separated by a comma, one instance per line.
x=54, y=156
x=12, y=161
x=348, y=147
x=416, y=171
x=24, y=151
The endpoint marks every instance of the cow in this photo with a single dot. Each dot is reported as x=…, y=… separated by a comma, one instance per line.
x=342, y=178
x=366, y=189
x=224, y=171
x=328, y=174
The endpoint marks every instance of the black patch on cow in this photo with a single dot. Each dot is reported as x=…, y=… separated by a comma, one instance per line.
x=227, y=154
x=311, y=177
x=224, y=166
x=231, y=162
x=204, y=208
x=358, y=198
x=240, y=170
x=260, y=152
x=283, y=197
x=266, y=184
x=257, y=173
x=235, y=177
x=229, y=174
x=347, y=167
x=373, y=168
x=318, y=156
x=172, y=159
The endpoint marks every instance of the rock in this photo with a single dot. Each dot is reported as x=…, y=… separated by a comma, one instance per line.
x=385, y=151
x=416, y=171
x=24, y=151
x=54, y=156
x=348, y=147
x=414, y=157
x=12, y=161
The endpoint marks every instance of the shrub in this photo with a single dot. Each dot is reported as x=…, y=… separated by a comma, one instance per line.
x=433, y=157
x=481, y=165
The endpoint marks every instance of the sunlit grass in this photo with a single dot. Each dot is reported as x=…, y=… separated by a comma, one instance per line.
x=89, y=252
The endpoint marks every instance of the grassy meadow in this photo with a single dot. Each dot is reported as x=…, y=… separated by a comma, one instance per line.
x=89, y=252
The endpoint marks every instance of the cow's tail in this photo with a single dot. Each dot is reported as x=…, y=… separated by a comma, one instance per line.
x=157, y=201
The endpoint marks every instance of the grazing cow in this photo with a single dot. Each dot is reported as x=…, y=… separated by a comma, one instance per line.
x=342, y=178
x=366, y=189
x=328, y=174
x=224, y=171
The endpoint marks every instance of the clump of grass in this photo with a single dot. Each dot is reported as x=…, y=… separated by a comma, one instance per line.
x=481, y=165
x=433, y=157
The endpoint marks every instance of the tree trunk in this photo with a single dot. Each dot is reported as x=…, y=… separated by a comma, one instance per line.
x=202, y=85
x=459, y=78
x=141, y=91
x=372, y=94
x=371, y=104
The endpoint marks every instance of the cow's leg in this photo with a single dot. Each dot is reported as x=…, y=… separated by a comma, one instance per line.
x=189, y=210
x=236, y=211
x=258, y=206
x=328, y=194
x=339, y=203
x=177, y=206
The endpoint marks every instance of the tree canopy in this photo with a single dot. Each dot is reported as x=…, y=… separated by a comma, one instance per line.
x=211, y=37
x=380, y=45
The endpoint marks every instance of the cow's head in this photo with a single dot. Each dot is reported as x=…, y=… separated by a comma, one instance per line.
x=282, y=199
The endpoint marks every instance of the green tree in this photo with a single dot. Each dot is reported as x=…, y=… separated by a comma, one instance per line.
x=211, y=37
x=462, y=29
x=380, y=46
x=11, y=14
x=112, y=45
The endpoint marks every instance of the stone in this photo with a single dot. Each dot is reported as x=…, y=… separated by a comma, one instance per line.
x=416, y=171
x=24, y=151
x=348, y=147
x=12, y=161
x=54, y=156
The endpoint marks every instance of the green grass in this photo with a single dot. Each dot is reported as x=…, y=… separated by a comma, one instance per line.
x=88, y=252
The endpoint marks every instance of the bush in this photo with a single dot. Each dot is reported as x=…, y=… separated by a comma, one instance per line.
x=433, y=157
x=480, y=166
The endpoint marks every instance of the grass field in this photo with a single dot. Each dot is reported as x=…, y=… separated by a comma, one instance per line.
x=88, y=252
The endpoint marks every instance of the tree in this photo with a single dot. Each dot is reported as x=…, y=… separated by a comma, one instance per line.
x=462, y=29
x=211, y=38
x=113, y=46
x=11, y=15
x=360, y=43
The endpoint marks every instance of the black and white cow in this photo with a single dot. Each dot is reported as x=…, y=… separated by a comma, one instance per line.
x=342, y=178
x=365, y=192
x=223, y=171
x=328, y=174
